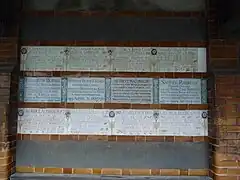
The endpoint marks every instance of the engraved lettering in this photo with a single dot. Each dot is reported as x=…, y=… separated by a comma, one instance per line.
x=86, y=90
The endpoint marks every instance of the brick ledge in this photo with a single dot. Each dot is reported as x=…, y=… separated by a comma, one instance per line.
x=113, y=171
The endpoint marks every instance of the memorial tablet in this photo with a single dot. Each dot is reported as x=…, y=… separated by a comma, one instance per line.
x=42, y=121
x=180, y=91
x=131, y=59
x=88, y=59
x=41, y=89
x=86, y=90
x=160, y=123
x=134, y=122
x=175, y=59
x=132, y=90
x=117, y=59
x=63, y=121
x=182, y=123
x=89, y=122
x=42, y=58
x=113, y=122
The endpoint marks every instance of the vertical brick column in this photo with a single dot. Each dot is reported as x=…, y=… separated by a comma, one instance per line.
x=225, y=123
x=8, y=106
x=7, y=141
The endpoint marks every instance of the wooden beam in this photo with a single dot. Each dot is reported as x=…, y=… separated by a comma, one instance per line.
x=116, y=13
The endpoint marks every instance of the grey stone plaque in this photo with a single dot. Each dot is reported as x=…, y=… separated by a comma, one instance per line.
x=117, y=59
x=180, y=91
x=86, y=90
x=41, y=89
x=132, y=90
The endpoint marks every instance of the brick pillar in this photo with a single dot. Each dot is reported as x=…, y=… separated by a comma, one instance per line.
x=8, y=99
x=225, y=123
x=6, y=140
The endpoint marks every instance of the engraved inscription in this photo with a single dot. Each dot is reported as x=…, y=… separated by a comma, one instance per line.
x=41, y=89
x=63, y=121
x=175, y=60
x=89, y=59
x=42, y=121
x=132, y=90
x=131, y=59
x=42, y=58
x=182, y=123
x=90, y=121
x=115, y=90
x=123, y=59
x=160, y=123
x=134, y=122
x=180, y=91
x=112, y=122
x=86, y=90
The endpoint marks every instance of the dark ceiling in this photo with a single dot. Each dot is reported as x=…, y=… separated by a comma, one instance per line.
x=228, y=14
x=145, y=5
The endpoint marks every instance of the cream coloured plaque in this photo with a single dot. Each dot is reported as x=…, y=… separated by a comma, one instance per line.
x=120, y=59
x=90, y=121
x=160, y=123
x=42, y=58
x=62, y=121
x=113, y=122
x=42, y=121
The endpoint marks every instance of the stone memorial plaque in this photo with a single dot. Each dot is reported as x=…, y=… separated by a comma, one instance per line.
x=137, y=59
x=160, y=123
x=180, y=91
x=90, y=122
x=131, y=59
x=183, y=123
x=40, y=89
x=86, y=90
x=175, y=59
x=42, y=121
x=160, y=59
x=42, y=58
x=88, y=59
x=132, y=90
x=63, y=121
x=134, y=122
x=113, y=122
x=120, y=59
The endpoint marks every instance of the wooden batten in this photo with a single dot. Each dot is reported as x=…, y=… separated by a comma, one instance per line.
x=116, y=13
x=117, y=44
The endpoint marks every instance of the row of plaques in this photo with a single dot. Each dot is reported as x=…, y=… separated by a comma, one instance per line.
x=119, y=59
x=113, y=122
x=113, y=90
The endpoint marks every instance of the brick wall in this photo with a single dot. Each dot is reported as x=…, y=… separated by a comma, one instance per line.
x=223, y=55
x=8, y=51
x=128, y=154
x=8, y=97
x=225, y=122
x=71, y=29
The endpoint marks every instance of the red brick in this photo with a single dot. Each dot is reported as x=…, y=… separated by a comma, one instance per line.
x=225, y=52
